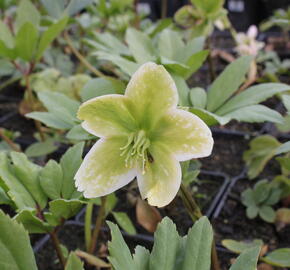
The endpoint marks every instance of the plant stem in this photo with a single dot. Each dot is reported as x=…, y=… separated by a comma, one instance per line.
x=88, y=224
x=99, y=222
x=57, y=247
x=195, y=213
x=210, y=62
x=164, y=9
x=82, y=58
x=9, y=141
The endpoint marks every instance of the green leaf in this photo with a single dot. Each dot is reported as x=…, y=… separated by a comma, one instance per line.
x=286, y=101
x=54, y=8
x=59, y=103
x=198, y=246
x=6, y=36
x=109, y=43
x=252, y=211
x=74, y=263
x=239, y=246
x=261, y=191
x=227, y=82
x=140, y=46
x=209, y=118
x=32, y=223
x=141, y=258
x=183, y=90
x=255, y=114
x=248, y=197
x=209, y=6
x=195, y=62
x=262, y=149
x=166, y=243
x=61, y=208
x=120, y=256
x=252, y=96
x=49, y=35
x=26, y=41
x=49, y=119
x=79, y=134
x=41, y=148
x=267, y=213
x=26, y=12
x=70, y=162
x=27, y=172
x=170, y=45
x=15, y=249
x=75, y=6
x=284, y=148
x=247, y=260
x=125, y=65
x=16, y=190
x=279, y=257
x=125, y=222
x=50, y=178
x=193, y=46
x=4, y=199
x=198, y=97
x=101, y=86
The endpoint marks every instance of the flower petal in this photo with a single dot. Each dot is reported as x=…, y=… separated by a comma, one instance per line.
x=153, y=92
x=184, y=134
x=162, y=177
x=103, y=170
x=107, y=116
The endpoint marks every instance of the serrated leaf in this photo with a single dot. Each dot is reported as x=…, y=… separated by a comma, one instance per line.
x=125, y=222
x=141, y=258
x=228, y=82
x=27, y=172
x=120, y=256
x=61, y=208
x=73, y=262
x=198, y=246
x=50, y=178
x=70, y=162
x=247, y=260
x=16, y=190
x=15, y=249
x=32, y=223
x=166, y=243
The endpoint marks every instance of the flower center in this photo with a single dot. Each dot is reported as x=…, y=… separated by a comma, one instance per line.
x=136, y=149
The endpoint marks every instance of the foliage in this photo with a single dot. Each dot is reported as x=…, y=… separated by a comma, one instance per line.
x=171, y=251
x=42, y=196
x=260, y=199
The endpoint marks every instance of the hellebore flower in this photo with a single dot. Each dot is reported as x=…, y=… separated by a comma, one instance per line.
x=143, y=135
x=247, y=43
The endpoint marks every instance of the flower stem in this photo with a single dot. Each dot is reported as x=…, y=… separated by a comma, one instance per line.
x=88, y=224
x=195, y=213
x=99, y=222
x=57, y=247
x=82, y=58
x=9, y=141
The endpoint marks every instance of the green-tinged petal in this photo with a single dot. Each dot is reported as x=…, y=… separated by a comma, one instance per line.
x=184, y=134
x=103, y=170
x=161, y=180
x=153, y=92
x=107, y=115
